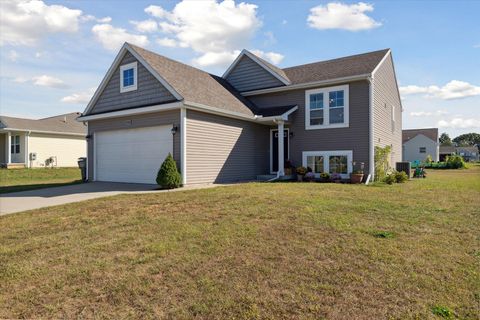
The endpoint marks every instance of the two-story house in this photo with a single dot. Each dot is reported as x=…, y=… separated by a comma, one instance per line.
x=223, y=129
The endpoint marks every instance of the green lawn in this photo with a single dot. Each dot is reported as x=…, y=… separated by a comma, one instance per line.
x=258, y=250
x=13, y=180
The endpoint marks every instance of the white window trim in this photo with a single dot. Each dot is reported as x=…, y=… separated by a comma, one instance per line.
x=326, y=108
x=135, y=77
x=326, y=155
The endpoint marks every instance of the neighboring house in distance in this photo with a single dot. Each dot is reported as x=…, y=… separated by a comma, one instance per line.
x=419, y=143
x=469, y=154
x=55, y=141
x=446, y=151
x=226, y=129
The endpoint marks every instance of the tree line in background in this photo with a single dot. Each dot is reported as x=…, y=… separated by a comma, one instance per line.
x=463, y=140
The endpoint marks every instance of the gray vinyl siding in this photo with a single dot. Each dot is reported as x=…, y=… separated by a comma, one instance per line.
x=221, y=149
x=137, y=121
x=354, y=137
x=248, y=75
x=149, y=91
x=385, y=95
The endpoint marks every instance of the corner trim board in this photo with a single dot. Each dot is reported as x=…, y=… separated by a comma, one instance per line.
x=183, y=144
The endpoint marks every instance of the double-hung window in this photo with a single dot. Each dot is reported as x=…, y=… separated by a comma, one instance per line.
x=329, y=161
x=128, y=77
x=15, y=144
x=327, y=108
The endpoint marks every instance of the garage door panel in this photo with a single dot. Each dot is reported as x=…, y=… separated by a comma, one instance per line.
x=132, y=155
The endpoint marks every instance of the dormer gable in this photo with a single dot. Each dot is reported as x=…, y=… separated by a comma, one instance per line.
x=249, y=72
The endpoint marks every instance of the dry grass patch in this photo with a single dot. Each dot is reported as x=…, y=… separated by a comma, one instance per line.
x=283, y=250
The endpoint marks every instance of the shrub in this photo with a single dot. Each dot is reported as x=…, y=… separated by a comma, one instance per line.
x=301, y=171
x=324, y=176
x=455, y=162
x=168, y=176
x=400, y=177
x=383, y=234
x=442, y=311
x=381, y=162
x=428, y=159
x=390, y=179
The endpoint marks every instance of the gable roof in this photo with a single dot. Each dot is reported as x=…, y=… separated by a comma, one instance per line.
x=349, y=66
x=184, y=82
x=273, y=70
x=431, y=133
x=447, y=149
x=64, y=123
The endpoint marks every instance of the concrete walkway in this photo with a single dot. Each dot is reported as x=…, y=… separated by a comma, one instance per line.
x=35, y=199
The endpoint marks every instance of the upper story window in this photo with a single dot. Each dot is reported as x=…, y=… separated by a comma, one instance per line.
x=128, y=77
x=422, y=150
x=326, y=108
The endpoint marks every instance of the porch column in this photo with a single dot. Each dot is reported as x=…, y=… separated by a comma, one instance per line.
x=281, y=153
x=8, y=138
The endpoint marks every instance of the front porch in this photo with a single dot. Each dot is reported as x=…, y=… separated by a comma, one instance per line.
x=13, y=150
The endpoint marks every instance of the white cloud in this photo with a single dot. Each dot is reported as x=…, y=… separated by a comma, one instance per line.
x=270, y=38
x=25, y=22
x=48, y=81
x=216, y=58
x=336, y=15
x=89, y=17
x=459, y=123
x=113, y=38
x=78, y=98
x=455, y=89
x=477, y=46
x=168, y=42
x=217, y=31
x=284, y=22
x=13, y=55
x=42, y=81
x=272, y=57
x=428, y=114
x=145, y=26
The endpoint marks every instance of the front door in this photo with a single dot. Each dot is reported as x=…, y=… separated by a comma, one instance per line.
x=274, y=143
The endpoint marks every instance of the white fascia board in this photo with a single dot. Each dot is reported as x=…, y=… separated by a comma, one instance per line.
x=222, y=112
x=43, y=131
x=130, y=112
x=282, y=117
x=257, y=61
x=307, y=85
x=115, y=65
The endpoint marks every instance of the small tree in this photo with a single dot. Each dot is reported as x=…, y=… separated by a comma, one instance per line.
x=168, y=176
x=445, y=139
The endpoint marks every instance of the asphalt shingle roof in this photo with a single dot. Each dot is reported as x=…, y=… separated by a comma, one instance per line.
x=64, y=123
x=195, y=85
x=408, y=134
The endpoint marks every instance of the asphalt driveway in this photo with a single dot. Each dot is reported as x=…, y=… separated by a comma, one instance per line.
x=34, y=199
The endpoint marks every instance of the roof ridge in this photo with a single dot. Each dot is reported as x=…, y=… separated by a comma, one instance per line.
x=278, y=70
x=167, y=58
x=337, y=59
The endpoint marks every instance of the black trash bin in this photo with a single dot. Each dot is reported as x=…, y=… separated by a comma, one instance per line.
x=82, y=164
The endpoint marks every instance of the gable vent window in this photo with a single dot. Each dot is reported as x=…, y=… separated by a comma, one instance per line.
x=128, y=77
x=326, y=108
x=423, y=150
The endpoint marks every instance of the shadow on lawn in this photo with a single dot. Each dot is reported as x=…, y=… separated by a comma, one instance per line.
x=27, y=187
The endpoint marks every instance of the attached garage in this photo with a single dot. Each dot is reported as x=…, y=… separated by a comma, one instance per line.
x=131, y=155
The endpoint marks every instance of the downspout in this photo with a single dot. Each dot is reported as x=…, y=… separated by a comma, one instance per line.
x=27, y=156
x=371, y=146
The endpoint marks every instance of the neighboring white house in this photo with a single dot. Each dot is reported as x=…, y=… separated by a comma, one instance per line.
x=56, y=141
x=418, y=144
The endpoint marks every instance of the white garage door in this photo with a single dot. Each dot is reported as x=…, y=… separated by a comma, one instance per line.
x=132, y=155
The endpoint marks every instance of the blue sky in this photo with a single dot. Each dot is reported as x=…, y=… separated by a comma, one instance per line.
x=55, y=53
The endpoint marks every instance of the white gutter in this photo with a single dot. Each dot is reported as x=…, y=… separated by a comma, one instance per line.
x=307, y=85
x=46, y=132
x=134, y=111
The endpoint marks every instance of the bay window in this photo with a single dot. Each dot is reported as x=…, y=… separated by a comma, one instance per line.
x=326, y=107
x=329, y=161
